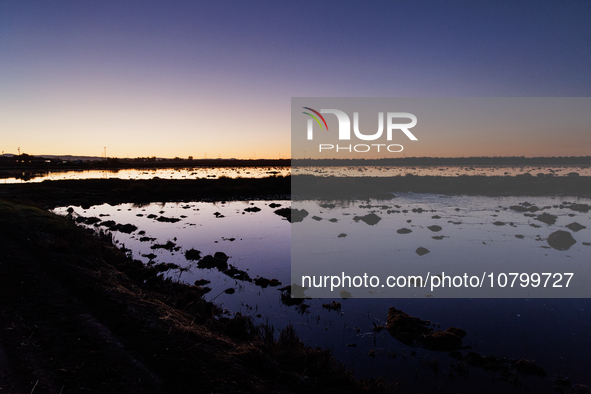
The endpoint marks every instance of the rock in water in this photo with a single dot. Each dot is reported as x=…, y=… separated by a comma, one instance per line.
x=561, y=240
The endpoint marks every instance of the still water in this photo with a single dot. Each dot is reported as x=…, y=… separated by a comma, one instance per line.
x=553, y=332
x=162, y=173
x=259, y=172
x=497, y=170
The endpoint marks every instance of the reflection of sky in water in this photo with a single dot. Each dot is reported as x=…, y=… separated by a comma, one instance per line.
x=472, y=243
x=163, y=173
x=496, y=170
x=258, y=172
x=554, y=332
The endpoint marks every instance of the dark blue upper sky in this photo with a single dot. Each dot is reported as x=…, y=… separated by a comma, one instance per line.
x=122, y=73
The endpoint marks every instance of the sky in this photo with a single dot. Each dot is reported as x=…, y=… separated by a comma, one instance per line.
x=215, y=78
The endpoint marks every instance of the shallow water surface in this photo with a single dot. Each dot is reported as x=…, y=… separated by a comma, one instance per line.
x=162, y=173
x=553, y=332
x=422, y=170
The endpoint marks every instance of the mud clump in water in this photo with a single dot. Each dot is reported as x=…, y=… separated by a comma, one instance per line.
x=547, y=218
x=192, y=254
x=164, y=219
x=371, y=219
x=574, y=226
x=561, y=240
x=170, y=246
x=422, y=251
x=219, y=261
x=292, y=215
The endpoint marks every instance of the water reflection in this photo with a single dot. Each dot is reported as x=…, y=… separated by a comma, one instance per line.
x=257, y=242
x=162, y=173
x=497, y=170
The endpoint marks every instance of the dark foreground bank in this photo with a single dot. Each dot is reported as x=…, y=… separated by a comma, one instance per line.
x=88, y=192
x=79, y=315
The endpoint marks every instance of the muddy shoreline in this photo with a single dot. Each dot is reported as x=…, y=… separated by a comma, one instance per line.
x=125, y=315
x=79, y=315
x=87, y=192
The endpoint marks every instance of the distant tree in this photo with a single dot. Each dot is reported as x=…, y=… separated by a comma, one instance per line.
x=190, y=157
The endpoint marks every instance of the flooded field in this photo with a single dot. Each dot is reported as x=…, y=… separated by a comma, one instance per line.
x=248, y=268
x=497, y=170
x=162, y=173
x=259, y=172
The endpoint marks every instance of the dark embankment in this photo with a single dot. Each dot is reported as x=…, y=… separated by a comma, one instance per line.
x=115, y=191
x=79, y=315
x=305, y=186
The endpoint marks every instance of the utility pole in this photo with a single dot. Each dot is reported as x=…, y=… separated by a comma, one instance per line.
x=19, y=150
x=105, y=152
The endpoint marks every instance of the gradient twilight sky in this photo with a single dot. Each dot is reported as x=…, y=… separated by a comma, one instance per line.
x=215, y=78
